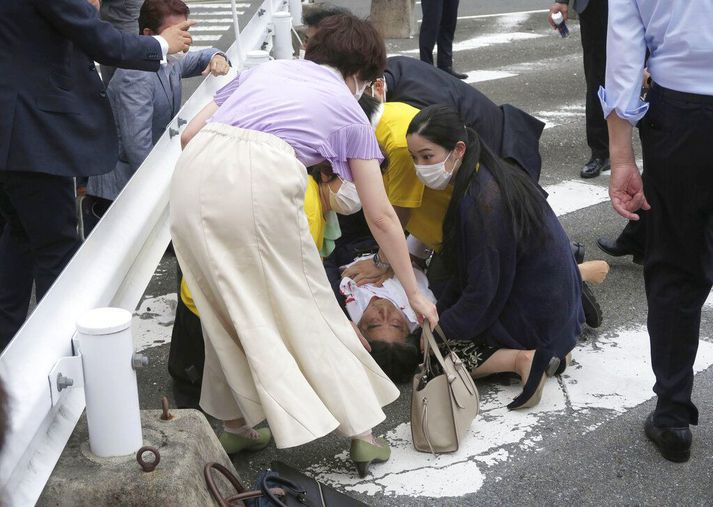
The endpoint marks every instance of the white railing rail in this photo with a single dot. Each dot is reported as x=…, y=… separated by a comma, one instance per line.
x=112, y=268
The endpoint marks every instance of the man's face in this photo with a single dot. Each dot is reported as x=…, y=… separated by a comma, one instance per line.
x=382, y=321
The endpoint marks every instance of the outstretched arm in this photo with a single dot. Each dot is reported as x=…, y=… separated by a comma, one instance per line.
x=387, y=231
x=197, y=123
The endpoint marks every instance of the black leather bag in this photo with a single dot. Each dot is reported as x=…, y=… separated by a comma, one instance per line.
x=280, y=486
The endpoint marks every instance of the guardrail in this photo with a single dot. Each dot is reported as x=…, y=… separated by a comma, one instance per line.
x=112, y=268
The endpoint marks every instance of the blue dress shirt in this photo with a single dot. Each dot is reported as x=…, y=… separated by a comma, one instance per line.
x=679, y=37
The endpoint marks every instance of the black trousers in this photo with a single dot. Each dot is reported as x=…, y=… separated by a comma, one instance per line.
x=633, y=236
x=593, y=26
x=438, y=26
x=37, y=241
x=678, y=261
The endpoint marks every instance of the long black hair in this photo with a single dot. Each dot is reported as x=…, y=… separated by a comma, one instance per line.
x=522, y=199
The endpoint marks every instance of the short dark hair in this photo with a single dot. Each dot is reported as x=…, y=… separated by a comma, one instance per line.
x=313, y=14
x=397, y=360
x=153, y=12
x=349, y=44
x=369, y=105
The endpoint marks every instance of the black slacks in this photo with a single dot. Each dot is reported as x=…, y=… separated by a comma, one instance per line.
x=593, y=26
x=633, y=236
x=678, y=261
x=438, y=26
x=37, y=241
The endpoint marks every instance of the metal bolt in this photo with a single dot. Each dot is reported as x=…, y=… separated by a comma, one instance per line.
x=180, y=121
x=139, y=361
x=63, y=382
x=166, y=416
x=172, y=132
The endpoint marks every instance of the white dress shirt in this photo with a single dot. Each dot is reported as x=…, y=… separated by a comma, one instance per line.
x=679, y=37
x=358, y=298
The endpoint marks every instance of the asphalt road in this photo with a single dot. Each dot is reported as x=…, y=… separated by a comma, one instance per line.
x=584, y=444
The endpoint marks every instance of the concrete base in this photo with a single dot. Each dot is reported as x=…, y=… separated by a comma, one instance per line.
x=186, y=443
x=395, y=19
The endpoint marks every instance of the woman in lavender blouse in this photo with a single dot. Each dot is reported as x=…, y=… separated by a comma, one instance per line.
x=278, y=347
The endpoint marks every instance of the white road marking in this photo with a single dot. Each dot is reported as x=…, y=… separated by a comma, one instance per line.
x=201, y=38
x=486, y=40
x=709, y=302
x=479, y=76
x=217, y=6
x=209, y=28
x=573, y=195
x=484, y=16
x=199, y=48
x=153, y=321
x=498, y=434
x=561, y=116
x=224, y=15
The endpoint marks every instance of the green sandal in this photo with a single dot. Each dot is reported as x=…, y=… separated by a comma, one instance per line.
x=234, y=444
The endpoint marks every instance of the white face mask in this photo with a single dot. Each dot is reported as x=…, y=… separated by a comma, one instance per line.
x=346, y=200
x=435, y=176
x=359, y=90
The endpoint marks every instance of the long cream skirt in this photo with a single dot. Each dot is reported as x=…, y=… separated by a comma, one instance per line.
x=277, y=345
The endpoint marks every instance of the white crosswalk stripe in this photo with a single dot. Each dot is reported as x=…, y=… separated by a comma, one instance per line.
x=214, y=20
x=486, y=40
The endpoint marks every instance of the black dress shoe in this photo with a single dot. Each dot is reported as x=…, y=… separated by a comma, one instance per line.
x=616, y=249
x=577, y=251
x=592, y=310
x=453, y=73
x=594, y=167
x=674, y=444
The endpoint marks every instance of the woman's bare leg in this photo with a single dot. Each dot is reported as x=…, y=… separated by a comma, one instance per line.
x=506, y=360
x=593, y=271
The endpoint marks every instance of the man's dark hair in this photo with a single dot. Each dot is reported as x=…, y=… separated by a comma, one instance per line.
x=397, y=360
x=349, y=44
x=369, y=105
x=153, y=12
x=313, y=14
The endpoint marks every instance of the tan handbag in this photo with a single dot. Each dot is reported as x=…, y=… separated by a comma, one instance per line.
x=444, y=400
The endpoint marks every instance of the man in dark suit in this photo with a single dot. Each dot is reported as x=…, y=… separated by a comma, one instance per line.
x=55, y=124
x=439, y=26
x=593, y=15
x=509, y=131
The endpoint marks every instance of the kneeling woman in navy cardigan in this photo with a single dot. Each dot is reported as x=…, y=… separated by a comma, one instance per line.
x=513, y=291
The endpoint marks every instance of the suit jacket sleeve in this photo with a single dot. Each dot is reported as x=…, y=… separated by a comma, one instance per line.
x=132, y=99
x=79, y=22
x=195, y=62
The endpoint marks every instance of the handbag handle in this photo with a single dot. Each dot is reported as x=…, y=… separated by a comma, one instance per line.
x=288, y=487
x=430, y=343
x=213, y=489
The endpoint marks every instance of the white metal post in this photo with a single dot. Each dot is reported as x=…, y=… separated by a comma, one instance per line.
x=110, y=388
x=296, y=11
x=236, y=29
x=256, y=57
x=282, y=49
